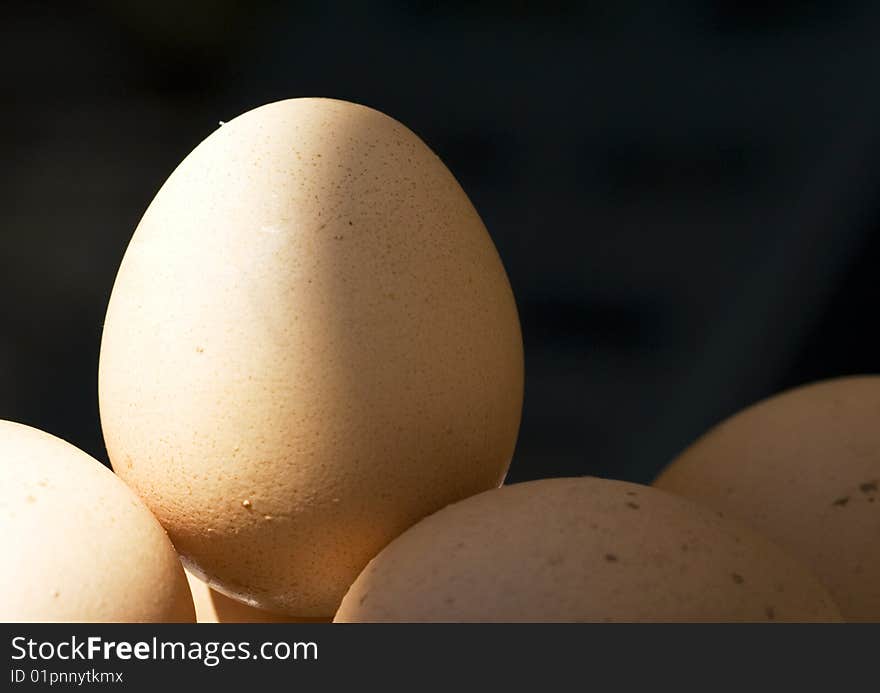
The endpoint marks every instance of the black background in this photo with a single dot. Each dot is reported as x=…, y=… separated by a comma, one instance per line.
x=685, y=194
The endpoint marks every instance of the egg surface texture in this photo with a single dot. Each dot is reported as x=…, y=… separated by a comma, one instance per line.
x=582, y=549
x=311, y=344
x=77, y=544
x=802, y=467
x=214, y=607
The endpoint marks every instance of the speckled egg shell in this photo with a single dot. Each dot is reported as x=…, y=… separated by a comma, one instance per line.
x=77, y=544
x=214, y=607
x=310, y=345
x=582, y=549
x=803, y=468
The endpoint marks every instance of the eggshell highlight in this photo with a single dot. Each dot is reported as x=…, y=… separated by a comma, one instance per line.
x=214, y=607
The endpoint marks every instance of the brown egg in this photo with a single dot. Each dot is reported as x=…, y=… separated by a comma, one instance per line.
x=311, y=344
x=77, y=544
x=803, y=468
x=214, y=607
x=583, y=549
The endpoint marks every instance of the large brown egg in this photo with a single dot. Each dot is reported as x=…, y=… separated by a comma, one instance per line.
x=77, y=544
x=311, y=344
x=583, y=549
x=803, y=468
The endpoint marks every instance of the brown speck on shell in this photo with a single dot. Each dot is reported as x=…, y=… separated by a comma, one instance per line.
x=868, y=487
x=634, y=506
x=611, y=558
x=770, y=612
x=840, y=502
x=737, y=578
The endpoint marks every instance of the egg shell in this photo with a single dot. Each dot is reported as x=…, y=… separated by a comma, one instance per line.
x=583, y=549
x=803, y=468
x=78, y=545
x=310, y=345
x=215, y=607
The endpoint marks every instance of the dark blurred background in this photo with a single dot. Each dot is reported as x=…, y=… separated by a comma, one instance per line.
x=686, y=195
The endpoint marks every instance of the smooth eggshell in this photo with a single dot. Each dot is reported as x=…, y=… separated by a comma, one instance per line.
x=582, y=549
x=802, y=467
x=214, y=607
x=77, y=544
x=311, y=344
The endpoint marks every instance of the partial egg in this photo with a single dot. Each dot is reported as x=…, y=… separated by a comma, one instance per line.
x=77, y=544
x=311, y=344
x=583, y=549
x=802, y=467
x=214, y=607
